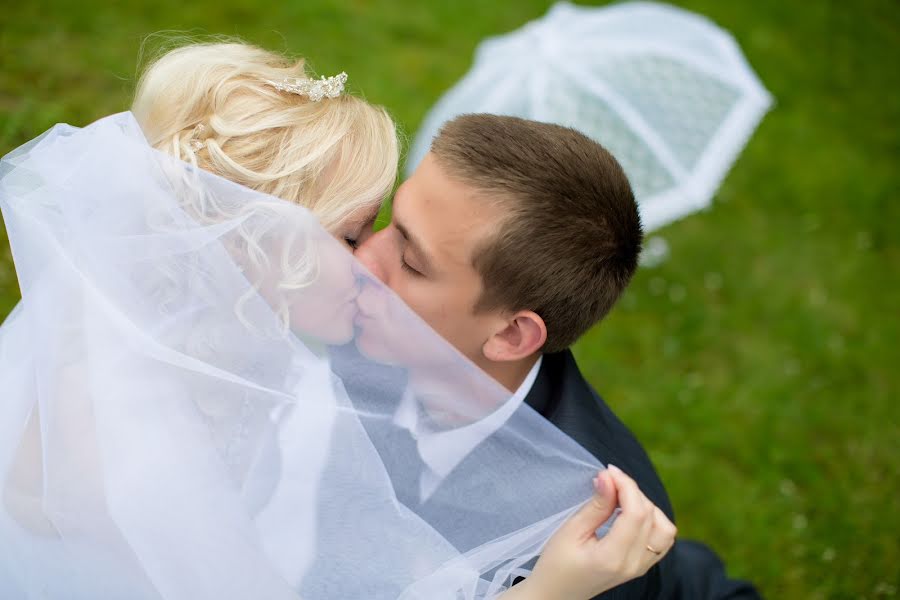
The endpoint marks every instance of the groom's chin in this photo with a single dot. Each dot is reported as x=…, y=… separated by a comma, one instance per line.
x=393, y=344
x=372, y=343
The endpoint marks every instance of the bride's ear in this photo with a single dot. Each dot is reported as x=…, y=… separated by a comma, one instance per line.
x=523, y=335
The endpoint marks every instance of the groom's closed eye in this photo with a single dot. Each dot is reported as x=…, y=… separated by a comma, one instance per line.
x=413, y=260
x=409, y=268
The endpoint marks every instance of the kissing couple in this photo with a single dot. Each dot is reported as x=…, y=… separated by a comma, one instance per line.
x=222, y=382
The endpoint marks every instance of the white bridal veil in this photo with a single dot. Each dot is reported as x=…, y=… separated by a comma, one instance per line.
x=196, y=402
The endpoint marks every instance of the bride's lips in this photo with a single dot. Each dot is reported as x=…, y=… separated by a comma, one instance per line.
x=348, y=299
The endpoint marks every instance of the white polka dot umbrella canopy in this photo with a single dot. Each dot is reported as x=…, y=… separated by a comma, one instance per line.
x=666, y=91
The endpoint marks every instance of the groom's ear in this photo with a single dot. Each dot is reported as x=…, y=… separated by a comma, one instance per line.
x=523, y=335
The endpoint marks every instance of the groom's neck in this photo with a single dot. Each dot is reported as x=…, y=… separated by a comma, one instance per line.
x=511, y=374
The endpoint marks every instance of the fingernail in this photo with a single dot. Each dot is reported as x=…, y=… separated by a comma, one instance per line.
x=613, y=468
x=600, y=485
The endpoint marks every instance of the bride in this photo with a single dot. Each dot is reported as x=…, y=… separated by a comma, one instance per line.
x=186, y=413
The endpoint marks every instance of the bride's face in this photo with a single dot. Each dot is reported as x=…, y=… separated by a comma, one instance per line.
x=326, y=309
x=320, y=302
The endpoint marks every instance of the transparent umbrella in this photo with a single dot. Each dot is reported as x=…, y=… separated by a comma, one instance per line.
x=666, y=91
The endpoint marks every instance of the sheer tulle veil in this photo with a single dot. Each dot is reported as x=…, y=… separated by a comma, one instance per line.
x=193, y=406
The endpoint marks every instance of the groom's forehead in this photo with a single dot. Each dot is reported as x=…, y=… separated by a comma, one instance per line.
x=442, y=212
x=428, y=227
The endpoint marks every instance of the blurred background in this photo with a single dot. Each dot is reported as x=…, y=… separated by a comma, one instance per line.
x=758, y=363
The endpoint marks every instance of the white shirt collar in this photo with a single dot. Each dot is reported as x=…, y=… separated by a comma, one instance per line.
x=443, y=451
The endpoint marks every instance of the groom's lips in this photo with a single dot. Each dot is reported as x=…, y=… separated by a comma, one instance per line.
x=362, y=319
x=368, y=303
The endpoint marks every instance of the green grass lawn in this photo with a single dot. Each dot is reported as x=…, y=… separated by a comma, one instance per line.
x=759, y=364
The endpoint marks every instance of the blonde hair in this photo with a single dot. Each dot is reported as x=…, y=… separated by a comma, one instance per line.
x=335, y=157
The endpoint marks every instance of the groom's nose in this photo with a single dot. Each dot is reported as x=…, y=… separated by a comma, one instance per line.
x=371, y=253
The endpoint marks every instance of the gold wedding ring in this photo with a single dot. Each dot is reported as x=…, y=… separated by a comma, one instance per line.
x=653, y=550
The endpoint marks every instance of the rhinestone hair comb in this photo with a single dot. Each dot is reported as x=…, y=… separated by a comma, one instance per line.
x=314, y=89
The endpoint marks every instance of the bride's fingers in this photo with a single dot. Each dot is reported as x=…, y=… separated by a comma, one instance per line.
x=639, y=551
x=632, y=501
x=640, y=527
x=659, y=540
x=596, y=511
x=662, y=536
x=630, y=496
x=665, y=526
x=634, y=521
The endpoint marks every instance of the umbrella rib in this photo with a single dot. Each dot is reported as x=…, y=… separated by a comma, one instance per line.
x=633, y=119
x=535, y=97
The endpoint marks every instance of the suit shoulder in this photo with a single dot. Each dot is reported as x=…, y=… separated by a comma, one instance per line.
x=579, y=411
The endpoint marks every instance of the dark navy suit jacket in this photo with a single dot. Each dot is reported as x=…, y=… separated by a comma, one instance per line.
x=561, y=395
x=691, y=571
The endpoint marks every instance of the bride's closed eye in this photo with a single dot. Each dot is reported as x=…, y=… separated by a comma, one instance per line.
x=356, y=233
x=365, y=233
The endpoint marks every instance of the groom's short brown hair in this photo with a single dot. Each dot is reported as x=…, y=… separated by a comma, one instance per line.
x=570, y=240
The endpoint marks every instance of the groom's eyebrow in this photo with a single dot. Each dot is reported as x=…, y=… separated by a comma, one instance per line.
x=413, y=244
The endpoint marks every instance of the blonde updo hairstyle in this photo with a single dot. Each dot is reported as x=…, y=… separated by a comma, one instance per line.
x=213, y=104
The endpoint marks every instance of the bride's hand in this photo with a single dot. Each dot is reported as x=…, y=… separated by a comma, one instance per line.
x=575, y=565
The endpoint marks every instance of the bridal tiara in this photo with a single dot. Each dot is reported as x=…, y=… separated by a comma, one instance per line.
x=314, y=89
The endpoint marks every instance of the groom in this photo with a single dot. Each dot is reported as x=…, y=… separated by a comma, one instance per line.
x=512, y=239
